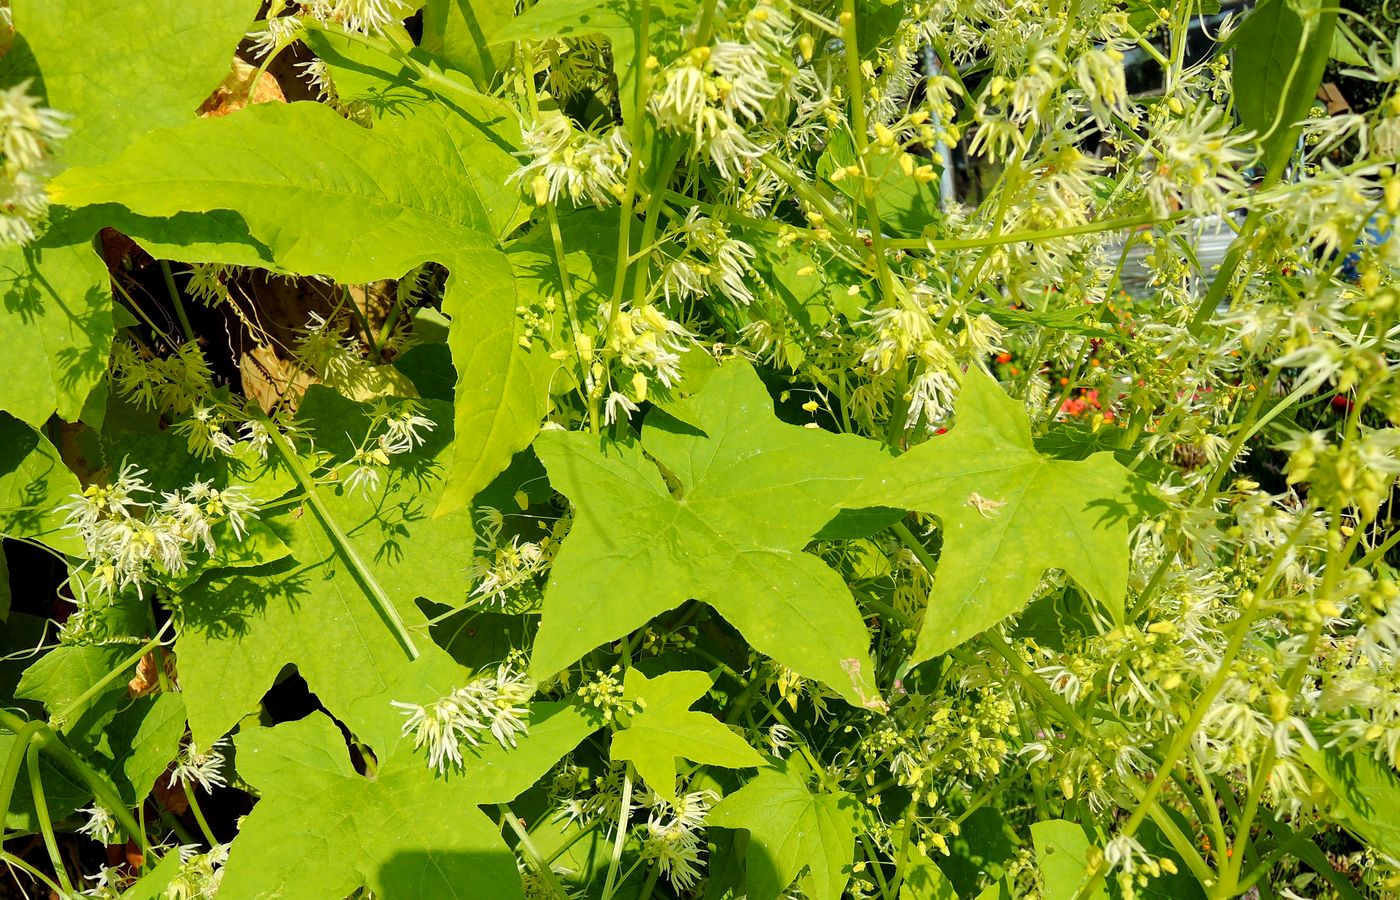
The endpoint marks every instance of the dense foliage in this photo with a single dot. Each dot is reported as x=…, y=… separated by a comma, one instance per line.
x=697, y=449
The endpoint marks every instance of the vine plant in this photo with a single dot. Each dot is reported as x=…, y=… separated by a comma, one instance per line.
x=698, y=449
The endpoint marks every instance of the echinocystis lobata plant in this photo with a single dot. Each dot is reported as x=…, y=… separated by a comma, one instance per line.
x=639, y=449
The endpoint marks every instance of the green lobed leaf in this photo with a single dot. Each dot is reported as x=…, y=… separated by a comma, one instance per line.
x=1061, y=850
x=1280, y=53
x=457, y=31
x=793, y=832
x=666, y=728
x=340, y=200
x=123, y=69
x=1365, y=794
x=751, y=491
x=314, y=610
x=1007, y=513
x=55, y=326
x=34, y=482
x=322, y=830
x=923, y=880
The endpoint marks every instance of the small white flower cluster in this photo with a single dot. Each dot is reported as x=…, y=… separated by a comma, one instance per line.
x=713, y=92
x=128, y=538
x=674, y=837
x=28, y=133
x=403, y=425
x=713, y=260
x=200, y=874
x=562, y=160
x=502, y=569
x=174, y=383
x=493, y=704
x=649, y=344
x=204, y=768
x=101, y=825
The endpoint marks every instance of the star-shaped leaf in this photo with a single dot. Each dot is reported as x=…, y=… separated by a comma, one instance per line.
x=666, y=728
x=745, y=496
x=322, y=830
x=792, y=831
x=316, y=610
x=1008, y=513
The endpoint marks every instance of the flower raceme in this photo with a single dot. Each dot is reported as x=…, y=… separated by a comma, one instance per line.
x=493, y=704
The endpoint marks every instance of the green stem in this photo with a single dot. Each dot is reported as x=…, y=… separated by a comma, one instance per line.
x=532, y=852
x=361, y=572
x=620, y=840
x=66, y=714
x=41, y=814
x=204, y=828
x=175, y=299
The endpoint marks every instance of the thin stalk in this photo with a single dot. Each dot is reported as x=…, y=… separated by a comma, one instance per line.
x=41, y=814
x=199, y=815
x=532, y=852
x=66, y=714
x=175, y=299
x=10, y=859
x=378, y=598
x=620, y=840
x=862, y=147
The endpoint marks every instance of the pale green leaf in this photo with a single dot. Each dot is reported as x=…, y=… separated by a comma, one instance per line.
x=666, y=728
x=923, y=880
x=1007, y=514
x=55, y=326
x=314, y=610
x=794, y=834
x=123, y=69
x=457, y=31
x=1279, y=60
x=751, y=491
x=322, y=830
x=339, y=200
x=34, y=482
x=1365, y=794
x=1061, y=849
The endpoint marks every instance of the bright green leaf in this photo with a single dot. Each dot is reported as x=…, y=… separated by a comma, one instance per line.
x=1007, y=514
x=123, y=69
x=34, y=482
x=314, y=610
x=55, y=326
x=1279, y=59
x=322, y=830
x=457, y=31
x=923, y=880
x=1365, y=794
x=751, y=491
x=666, y=728
x=792, y=832
x=1061, y=849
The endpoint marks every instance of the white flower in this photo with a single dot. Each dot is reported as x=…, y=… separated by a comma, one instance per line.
x=617, y=406
x=403, y=428
x=565, y=161
x=202, y=767
x=101, y=825
x=28, y=133
x=280, y=32
x=493, y=704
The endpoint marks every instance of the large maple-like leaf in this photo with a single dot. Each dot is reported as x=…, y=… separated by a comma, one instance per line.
x=666, y=727
x=792, y=831
x=322, y=830
x=1008, y=513
x=749, y=493
x=357, y=205
x=317, y=610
